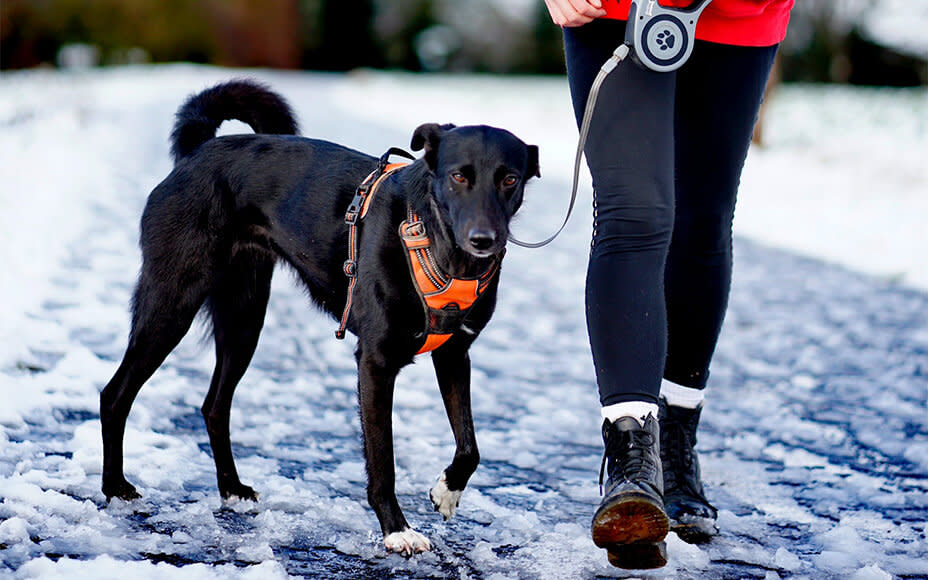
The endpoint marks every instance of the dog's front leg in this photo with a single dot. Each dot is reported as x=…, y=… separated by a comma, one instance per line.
x=375, y=388
x=452, y=368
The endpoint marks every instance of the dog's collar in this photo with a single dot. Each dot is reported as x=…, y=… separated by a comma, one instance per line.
x=446, y=300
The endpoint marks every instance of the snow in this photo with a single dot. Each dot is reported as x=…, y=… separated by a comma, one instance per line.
x=107, y=568
x=814, y=438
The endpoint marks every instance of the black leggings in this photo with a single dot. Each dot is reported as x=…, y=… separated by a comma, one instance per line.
x=665, y=151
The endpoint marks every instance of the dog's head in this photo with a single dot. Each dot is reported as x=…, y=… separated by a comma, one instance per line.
x=479, y=178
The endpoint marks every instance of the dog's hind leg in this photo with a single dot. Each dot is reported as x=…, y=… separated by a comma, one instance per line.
x=452, y=368
x=161, y=317
x=376, y=380
x=237, y=304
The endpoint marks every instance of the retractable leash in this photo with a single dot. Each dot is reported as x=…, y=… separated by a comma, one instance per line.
x=659, y=39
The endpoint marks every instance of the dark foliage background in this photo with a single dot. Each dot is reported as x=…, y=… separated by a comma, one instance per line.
x=432, y=35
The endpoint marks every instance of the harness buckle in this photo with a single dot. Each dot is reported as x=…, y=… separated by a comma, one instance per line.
x=354, y=208
x=414, y=231
x=350, y=267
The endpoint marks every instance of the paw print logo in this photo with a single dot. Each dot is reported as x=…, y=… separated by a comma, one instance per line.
x=665, y=40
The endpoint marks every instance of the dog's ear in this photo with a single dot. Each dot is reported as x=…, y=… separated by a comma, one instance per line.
x=427, y=134
x=428, y=137
x=533, y=168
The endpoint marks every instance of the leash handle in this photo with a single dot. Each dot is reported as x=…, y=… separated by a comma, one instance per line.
x=662, y=37
x=617, y=56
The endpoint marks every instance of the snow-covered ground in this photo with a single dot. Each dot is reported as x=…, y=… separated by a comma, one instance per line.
x=815, y=438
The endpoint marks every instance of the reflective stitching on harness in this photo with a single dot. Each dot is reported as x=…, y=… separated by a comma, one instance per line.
x=443, y=280
x=422, y=257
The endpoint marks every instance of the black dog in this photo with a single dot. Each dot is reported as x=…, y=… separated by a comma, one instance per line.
x=233, y=206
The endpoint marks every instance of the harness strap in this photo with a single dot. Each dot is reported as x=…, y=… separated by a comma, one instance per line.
x=356, y=211
x=446, y=300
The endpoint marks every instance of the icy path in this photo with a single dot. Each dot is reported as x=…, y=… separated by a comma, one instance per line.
x=815, y=439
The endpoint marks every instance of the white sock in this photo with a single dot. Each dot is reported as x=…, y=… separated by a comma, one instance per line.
x=680, y=396
x=637, y=409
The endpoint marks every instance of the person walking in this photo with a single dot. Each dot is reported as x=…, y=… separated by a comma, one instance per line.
x=665, y=151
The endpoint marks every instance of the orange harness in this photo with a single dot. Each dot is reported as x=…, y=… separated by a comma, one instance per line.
x=446, y=300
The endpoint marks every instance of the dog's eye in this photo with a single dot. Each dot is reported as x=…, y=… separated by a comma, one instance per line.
x=458, y=177
x=510, y=180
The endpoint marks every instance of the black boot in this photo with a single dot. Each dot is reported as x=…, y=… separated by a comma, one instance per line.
x=691, y=515
x=631, y=518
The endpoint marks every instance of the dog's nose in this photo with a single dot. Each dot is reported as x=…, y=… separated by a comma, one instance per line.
x=481, y=239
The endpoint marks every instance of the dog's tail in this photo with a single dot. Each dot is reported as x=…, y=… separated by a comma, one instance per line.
x=244, y=100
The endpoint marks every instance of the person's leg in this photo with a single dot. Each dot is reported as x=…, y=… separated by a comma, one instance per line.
x=630, y=154
x=718, y=96
x=717, y=100
x=629, y=151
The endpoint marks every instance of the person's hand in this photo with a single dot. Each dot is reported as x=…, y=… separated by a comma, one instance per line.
x=574, y=12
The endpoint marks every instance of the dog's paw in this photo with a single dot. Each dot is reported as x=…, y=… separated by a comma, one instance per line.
x=122, y=490
x=445, y=500
x=238, y=492
x=407, y=542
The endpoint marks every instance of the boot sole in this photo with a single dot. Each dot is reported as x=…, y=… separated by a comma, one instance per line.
x=694, y=529
x=629, y=519
x=639, y=556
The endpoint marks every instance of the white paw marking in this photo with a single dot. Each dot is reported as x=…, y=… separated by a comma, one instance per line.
x=445, y=500
x=407, y=542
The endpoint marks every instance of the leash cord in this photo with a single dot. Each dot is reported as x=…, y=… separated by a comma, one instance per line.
x=617, y=56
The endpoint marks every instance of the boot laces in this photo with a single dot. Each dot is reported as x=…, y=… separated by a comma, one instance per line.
x=678, y=451
x=629, y=453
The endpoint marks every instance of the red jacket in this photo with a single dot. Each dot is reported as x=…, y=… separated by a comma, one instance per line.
x=738, y=22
